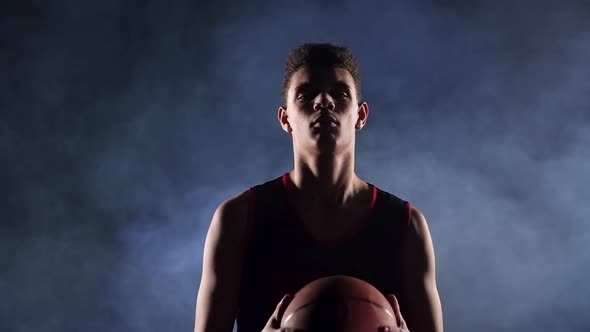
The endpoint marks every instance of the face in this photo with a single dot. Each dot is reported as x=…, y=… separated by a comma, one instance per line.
x=322, y=112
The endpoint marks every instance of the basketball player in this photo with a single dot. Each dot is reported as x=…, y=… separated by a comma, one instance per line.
x=319, y=219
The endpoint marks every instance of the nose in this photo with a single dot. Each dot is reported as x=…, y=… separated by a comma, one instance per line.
x=327, y=105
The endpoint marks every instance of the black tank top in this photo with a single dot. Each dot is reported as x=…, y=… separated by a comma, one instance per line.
x=281, y=257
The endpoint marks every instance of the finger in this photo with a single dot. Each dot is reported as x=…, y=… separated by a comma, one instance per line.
x=396, y=309
x=403, y=325
x=275, y=320
x=282, y=307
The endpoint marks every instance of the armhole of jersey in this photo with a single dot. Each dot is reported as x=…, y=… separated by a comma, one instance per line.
x=409, y=208
x=251, y=213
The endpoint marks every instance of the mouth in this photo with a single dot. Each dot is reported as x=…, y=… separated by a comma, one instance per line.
x=325, y=121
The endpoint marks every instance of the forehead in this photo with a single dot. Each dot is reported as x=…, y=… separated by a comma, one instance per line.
x=322, y=76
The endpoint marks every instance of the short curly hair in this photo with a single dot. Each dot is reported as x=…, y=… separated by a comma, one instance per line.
x=321, y=54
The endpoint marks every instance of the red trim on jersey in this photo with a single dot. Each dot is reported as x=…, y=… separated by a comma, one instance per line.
x=409, y=205
x=374, y=199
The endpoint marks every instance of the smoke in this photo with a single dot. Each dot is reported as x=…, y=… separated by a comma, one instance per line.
x=125, y=124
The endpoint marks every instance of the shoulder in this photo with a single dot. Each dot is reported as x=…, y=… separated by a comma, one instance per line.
x=235, y=205
x=239, y=204
x=232, y=215
x=417, y=223
x=417, y=232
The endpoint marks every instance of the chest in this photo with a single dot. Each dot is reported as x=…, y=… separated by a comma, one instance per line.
x=330, y=227
x=288, y=253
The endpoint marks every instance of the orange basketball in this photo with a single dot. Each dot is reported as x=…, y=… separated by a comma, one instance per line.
x=338, y=303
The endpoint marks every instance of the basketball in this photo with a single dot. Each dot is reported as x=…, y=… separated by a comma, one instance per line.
x=338, y=303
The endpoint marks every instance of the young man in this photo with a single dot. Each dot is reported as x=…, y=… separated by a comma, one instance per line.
x=319, y=219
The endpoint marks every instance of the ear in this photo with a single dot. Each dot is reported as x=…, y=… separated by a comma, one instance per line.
x=284, y=119
x=363, y=114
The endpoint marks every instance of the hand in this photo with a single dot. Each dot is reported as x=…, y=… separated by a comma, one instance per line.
x=274, y=322
x=401, y=323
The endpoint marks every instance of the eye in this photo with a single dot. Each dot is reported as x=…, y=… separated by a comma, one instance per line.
x=303, y=97
x=341, y=95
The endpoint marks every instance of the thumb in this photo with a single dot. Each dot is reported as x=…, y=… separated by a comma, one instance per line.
x=396, y=310
x=275, y=320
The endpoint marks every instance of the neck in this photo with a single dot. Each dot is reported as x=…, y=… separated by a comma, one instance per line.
x=325, y=181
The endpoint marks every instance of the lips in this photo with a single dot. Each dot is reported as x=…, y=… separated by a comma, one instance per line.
x=324, y=120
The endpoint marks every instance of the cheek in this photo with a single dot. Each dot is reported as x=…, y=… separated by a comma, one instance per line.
x=301, y=113
x=350, y=117
x=299, y=121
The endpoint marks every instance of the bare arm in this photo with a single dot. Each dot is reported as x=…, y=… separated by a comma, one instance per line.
x=217, y=300
x=421, y=306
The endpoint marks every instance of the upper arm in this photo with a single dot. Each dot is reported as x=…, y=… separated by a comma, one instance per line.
x=421, y=305
x=217, y=299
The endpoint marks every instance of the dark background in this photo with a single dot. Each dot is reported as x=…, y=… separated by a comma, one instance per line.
x=124, y=124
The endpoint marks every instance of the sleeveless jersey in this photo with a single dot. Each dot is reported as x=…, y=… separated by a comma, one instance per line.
x=281, y=257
